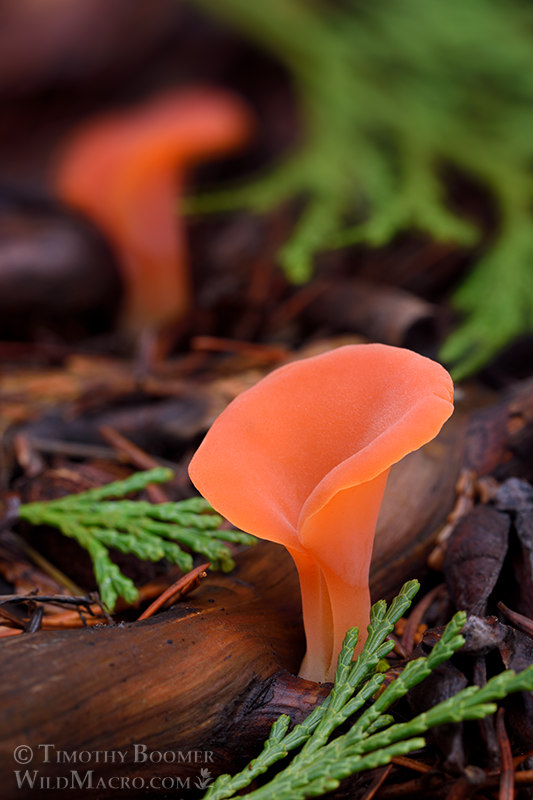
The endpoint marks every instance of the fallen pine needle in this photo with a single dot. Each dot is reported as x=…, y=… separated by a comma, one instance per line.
x=507, y=768
x=185, y=585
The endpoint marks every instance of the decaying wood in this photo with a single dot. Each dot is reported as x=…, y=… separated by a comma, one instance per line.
x=211, y=674
x=473, y=563
x=379, y=312
x=496, y=440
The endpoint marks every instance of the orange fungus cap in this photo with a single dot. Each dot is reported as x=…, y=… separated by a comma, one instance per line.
x=302, y=459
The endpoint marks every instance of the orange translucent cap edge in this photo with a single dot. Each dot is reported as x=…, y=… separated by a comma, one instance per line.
x=302, y=459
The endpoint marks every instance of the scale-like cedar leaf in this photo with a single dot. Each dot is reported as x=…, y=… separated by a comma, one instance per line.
x=147, y=531
x=389, y=93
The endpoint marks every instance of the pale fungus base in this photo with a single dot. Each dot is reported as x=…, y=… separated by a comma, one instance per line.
x=302, y=459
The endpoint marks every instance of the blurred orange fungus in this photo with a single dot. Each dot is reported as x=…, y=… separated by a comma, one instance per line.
x=125, y=171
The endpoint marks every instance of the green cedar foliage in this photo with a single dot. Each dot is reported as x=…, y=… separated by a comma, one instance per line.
x=149, y=532
x=389, y=92
x=374, y=737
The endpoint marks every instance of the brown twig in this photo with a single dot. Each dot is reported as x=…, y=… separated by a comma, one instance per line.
x=416, y=616
x=377, y=783
x=411, y=763
x=53, y=599
x=74, y=449
x=180, y=588
x=418, y=786
x=71, y=619
x=524, y=778
x=11, y=618
x=266, y=353
x=517, y=760
x=48, y=568
x=4, y=631
x=486, y=725
x=127, y=451
x=520, y=777
x=68, y=619
x=506, y=759
x=465, y=489
x=297, y=303
x=467, y=785
x=523, y=623
x=35, y=621
x=474, y=780
x=149, y=591
x=27, y=456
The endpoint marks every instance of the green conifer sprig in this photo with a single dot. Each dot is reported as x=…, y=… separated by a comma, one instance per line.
x=374, y=738
x=390, y=92
x=149, y=532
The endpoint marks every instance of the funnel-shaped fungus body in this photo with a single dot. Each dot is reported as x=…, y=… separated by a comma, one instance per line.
x=302, y=459
x=125, y=172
